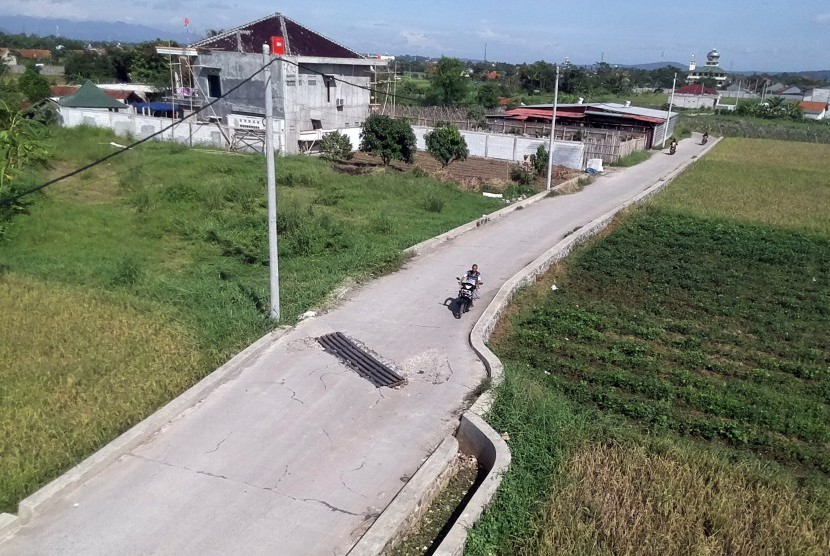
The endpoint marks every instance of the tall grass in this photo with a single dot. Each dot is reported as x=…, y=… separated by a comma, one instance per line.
x=175, y=242
x=78, y=368
x=673, y=395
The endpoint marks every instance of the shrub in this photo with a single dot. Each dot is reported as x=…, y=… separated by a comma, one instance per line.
x=336, y=146
x=445, y=143
x=521, y=174
x=540, y=163
x=388, y=138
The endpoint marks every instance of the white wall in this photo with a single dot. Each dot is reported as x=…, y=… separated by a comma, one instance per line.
x=695, y=101
x=187, y=131
x=486, y=145
x=511, y=147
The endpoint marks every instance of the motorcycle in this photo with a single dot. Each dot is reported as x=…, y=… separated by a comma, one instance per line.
x=465, y=296
x=705, y=139
x=673, y=148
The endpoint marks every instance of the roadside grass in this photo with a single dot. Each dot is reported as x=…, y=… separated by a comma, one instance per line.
x=633, y=159
x=176, y=239
x=673, y=395
x=79, y=367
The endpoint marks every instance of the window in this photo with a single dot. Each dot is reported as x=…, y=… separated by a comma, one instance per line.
x=312, y=82
x=214, y=85
x=316, y=124
x=291, y=82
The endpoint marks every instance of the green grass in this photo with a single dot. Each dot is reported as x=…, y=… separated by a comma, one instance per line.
x=633, y=159
x=684, y=361
x=729, y=125
x=176, y=240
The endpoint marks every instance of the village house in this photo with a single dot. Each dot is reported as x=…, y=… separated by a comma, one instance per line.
x=696, y=96
x=318, y=84
x=813, y=110
x=6, y=57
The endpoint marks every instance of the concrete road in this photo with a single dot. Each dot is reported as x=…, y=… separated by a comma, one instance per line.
x=297, y=454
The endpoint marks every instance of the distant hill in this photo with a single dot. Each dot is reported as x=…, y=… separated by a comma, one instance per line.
x=657, y=65
x=87, y=30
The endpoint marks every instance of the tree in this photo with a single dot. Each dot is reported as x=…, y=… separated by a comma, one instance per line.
x=446, y=144
x=449, y=82
x=34, y=86
x=88, y=65
x=148, y=66
x=336, y=146
x=488, y=95
x=387, y=138
x=20, y=144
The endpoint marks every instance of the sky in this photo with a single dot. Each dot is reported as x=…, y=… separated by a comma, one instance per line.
x=761, y=35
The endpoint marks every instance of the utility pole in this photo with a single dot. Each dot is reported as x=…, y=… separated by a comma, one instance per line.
x=552, y=127
x=668, y=115
x=273, y=253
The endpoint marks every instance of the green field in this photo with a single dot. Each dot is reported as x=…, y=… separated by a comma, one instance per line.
x=126, y=284
x=673, y=395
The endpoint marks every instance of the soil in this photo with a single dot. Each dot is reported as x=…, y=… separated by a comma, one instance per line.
x=471, y=174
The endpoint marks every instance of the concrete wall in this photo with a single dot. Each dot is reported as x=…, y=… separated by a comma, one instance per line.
x=511, y=147
x=695, y=101
x=300, y=93
x=44, y=70
x=188, y=131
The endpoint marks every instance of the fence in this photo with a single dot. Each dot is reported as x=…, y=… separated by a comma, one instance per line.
x=574, y=145
x=513, y=148
x=186, y=131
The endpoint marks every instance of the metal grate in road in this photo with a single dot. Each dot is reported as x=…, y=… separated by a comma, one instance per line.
x=366, y=366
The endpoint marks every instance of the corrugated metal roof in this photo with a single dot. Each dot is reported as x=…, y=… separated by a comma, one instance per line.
x=636, y=117
x=632, y=110
x=525, y=113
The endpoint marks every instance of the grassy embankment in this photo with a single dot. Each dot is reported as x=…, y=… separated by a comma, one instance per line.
x=673, y=395
x=129, y=282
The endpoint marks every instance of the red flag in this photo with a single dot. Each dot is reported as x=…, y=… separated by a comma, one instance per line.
x=186, y=21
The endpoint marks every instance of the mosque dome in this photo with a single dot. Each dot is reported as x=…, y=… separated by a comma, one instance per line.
x=713, y=55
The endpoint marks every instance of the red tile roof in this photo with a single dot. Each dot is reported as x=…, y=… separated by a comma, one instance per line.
x=813, y=107
x=695, y=89
x=33, y=54
x=63, y=90
x=66, y=90
x=299, y=40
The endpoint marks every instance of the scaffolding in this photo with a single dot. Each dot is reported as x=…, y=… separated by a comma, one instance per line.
x=384, y=86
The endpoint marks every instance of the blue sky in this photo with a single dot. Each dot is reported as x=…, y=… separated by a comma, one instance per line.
x=761, y=35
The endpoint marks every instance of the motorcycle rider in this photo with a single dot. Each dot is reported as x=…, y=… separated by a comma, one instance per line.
x=473, y=276
x=705, y=137
x=673, y=145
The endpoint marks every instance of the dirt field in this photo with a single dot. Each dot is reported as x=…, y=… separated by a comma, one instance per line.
x=469, y=174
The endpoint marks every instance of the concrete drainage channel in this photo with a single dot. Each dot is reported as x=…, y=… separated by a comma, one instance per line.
x=474, y=437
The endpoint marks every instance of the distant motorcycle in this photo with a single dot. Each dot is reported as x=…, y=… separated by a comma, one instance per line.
x=705, y=139
x=465, y=296
x=673, y=148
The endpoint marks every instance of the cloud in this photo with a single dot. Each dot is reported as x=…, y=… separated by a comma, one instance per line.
x=489, y=35
x=417, y=39
x=822, y=18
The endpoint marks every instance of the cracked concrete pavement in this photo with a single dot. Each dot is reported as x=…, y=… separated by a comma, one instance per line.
x=297, y=454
